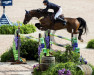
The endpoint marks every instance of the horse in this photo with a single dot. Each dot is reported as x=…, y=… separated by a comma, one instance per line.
x=47, y=22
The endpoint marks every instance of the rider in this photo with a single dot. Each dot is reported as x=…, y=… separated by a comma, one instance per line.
x=57, y=10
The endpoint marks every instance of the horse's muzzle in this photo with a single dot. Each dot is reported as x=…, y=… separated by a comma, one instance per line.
x=24, y=23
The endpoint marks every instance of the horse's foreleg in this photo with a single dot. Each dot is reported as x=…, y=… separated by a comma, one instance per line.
x=43, y=29
x=39, y=26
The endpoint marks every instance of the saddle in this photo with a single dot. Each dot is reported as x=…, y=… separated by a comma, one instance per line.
x=52, y=16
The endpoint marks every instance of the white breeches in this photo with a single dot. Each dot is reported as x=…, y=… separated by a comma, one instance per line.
x=58, y=13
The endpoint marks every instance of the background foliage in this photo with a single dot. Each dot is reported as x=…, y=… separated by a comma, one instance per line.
x=90, y=44
x=53, y=70
x=28, y=50
x=24, y=29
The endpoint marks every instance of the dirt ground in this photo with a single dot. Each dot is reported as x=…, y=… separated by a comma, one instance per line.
x=71, y=8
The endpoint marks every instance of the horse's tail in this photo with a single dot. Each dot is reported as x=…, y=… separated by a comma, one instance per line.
x=83, y=24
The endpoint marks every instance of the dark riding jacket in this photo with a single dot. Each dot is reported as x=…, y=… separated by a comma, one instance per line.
x=52, y=6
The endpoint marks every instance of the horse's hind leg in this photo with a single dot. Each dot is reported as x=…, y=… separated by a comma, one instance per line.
x=80, y=34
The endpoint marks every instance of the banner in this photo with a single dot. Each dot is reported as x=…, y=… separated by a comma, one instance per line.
x=4, y=20
x=0, y=2
x=6, y=2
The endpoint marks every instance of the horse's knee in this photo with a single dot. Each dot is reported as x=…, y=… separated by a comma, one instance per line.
x=37, y=24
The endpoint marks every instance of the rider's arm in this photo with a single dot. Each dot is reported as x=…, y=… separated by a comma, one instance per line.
x=46, y=9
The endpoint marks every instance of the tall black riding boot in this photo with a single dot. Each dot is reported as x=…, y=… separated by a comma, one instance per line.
x=62, y=19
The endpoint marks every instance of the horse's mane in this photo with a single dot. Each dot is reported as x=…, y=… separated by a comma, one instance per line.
x=41, y=11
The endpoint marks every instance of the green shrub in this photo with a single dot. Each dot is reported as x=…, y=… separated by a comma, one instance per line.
x=53, y=70
x=92, y=68
x=7, y=56
x=90, y=44
x=28, y=50
x=10, y=29
x=62, y=57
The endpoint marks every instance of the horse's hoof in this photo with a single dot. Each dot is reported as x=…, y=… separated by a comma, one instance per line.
x=42, y=29
x=81, y=40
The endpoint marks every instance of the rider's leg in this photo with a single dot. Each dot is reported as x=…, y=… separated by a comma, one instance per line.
x=58, y=13
x=57, y=16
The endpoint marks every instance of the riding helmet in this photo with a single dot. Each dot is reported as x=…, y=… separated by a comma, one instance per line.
x=45, y=1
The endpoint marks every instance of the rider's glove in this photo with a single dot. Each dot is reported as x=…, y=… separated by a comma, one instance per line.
x=44, y=10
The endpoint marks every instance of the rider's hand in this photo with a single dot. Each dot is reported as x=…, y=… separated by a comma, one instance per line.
x=44, y=10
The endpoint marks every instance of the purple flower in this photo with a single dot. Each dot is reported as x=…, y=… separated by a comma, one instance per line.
x=68, y=72
x=47, y=40
x=61, y=72
x=64, y=72
x=16, y=42
x=85, y=61
x=42, y=45
x=39, y=50
x=80, y=59
x=36, y=66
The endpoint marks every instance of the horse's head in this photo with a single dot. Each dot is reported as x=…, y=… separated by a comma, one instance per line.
x=27, y=17
x=30, y=14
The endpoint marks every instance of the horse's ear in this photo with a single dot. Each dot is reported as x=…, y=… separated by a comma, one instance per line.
x=27, y=12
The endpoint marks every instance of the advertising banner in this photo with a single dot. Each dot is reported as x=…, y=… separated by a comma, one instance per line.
x=6, y=2
x=0, y=2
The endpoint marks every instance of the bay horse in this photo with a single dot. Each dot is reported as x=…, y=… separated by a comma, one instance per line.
x=47, y=22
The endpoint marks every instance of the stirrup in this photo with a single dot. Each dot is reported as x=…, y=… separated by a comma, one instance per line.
x=64, y=23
